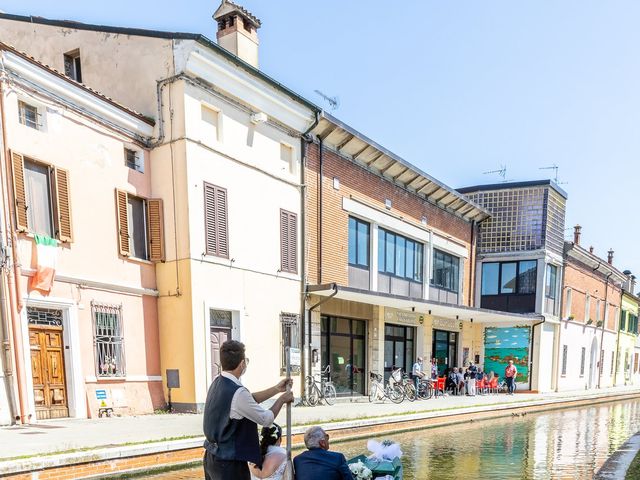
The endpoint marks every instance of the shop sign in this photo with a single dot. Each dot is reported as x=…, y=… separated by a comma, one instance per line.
x=294, y=357
x=446, y=324
x=401, y=317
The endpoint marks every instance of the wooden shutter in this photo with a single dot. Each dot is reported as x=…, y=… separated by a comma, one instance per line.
x=288, y=242
x=63, y=205
x=123, y=222
x=19, y=195
x=156, y=230
x=216, y=221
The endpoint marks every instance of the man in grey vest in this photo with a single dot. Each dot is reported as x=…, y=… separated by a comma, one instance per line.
x=232, y=415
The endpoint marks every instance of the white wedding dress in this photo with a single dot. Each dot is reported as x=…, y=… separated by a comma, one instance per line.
x=282, y=472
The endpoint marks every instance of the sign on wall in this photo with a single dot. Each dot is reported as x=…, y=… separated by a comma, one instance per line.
x=391, y=315
x=446, y=324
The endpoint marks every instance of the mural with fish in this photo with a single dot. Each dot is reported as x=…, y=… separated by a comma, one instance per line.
x=502, y=344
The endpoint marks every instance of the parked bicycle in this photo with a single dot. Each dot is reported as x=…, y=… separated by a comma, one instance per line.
x=319, y=389
x=425, y=388
x=402, y=379
x=379, y=391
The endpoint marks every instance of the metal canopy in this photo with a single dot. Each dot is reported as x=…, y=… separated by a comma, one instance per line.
x=365, y=152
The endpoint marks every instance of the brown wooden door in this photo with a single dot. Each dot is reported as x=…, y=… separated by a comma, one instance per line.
x=47, y=371
x=218, y=337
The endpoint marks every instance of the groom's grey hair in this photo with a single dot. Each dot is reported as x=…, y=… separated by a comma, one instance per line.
x=313, y=436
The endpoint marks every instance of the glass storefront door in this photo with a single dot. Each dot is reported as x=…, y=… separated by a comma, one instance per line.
x=344, y=348
x=399, y=348
x=445, y=349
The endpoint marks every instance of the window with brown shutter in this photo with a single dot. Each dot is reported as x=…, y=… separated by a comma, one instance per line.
x=42, y=198
x=216, y=223
x=288, y=241
x=140, y=227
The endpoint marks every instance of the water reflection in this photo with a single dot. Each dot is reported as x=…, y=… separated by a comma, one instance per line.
x=563, y=444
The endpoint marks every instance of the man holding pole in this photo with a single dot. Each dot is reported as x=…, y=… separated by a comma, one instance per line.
x=231, y=416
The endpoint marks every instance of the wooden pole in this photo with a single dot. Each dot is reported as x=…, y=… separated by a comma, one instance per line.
x=288, y=365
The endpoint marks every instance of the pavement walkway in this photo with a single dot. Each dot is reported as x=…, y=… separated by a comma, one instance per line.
x=64, y=435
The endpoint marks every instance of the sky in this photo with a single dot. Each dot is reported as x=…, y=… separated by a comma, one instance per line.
x=456, y=88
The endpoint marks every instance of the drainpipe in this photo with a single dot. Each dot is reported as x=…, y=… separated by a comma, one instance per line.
x=558, y=368
x=601, y=357
x=319, y=282
x=472, y=266
x=533, y=338
x=304, y=364
x=14, y=292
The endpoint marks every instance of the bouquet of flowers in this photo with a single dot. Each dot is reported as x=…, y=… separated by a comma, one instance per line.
x=360, y=471
x=385, y=450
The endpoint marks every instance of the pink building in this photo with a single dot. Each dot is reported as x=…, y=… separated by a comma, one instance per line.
x=76, y=170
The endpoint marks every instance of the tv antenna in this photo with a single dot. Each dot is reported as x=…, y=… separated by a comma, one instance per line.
x=555, y=168
x=334, y=102
x=502, y=172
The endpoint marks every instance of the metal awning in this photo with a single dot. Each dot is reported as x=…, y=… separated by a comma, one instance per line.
x=422, y=306
x=367, y=153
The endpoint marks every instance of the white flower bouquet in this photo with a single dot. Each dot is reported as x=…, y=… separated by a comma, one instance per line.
x=360, y=471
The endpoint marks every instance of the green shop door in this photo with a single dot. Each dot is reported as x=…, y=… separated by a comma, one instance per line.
x=445, y=349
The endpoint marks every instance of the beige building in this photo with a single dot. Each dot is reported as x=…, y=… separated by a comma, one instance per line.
x=226, y=163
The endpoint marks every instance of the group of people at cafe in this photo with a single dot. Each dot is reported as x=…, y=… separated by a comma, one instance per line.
x=467, y=381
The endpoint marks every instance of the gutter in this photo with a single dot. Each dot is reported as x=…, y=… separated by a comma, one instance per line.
x=321, y=288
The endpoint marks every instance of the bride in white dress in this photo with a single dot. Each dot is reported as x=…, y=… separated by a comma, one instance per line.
x=274, y=463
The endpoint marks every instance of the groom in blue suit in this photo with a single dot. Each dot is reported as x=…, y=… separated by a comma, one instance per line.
x=318, y=463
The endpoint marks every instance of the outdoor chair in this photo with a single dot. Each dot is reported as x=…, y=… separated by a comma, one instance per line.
x=440, y=383
x=493, y=385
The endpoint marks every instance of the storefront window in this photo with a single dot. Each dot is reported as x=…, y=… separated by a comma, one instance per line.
x=399, y=348
x=343, y=346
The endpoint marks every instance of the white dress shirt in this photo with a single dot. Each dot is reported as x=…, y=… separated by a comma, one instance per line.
x=243, y=405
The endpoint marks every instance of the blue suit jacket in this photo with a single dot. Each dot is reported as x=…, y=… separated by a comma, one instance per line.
x=319, y=464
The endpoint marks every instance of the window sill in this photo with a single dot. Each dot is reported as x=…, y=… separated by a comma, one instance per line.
x=142, y=261
x=111, y=379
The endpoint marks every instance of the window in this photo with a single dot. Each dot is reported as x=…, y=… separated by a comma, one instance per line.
x=613, y=359
x=587, y=308
x=551, y=281
x=134, y=160
x=28, y=115
x=399, y=256
x=445, y=271
x=210, y=123
x=72, y=65
x=567, y=307
x=215, y=221
x=632, y=325
x=140, y=227
x=623, y=319
x=108, y=339
x=288, y=242
x=290, y=334
x=358, y=243
x=582, y=358
x=565, y=351
x=42, y=198
x=286, y=155
x=504, y=278
x=598, y=308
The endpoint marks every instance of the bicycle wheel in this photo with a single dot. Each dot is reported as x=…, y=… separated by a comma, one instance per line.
x=373, y=392
x=313, y=397
x=395, y=394
x=329, y=394
x=410, y=392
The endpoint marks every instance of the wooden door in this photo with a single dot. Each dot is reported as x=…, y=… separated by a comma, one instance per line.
x=47, y=371
x=218, y=337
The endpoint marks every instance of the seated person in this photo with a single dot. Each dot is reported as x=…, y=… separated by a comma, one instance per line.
x=452, y=380
x=318, y=463
x=460, y=381
x=274, y=457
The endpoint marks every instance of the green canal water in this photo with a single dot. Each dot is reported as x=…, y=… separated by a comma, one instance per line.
x=562, y=444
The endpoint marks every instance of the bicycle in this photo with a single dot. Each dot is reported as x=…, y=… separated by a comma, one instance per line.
x=408, y=387
x=379, y=391
x=425, y=388
x=318, y=390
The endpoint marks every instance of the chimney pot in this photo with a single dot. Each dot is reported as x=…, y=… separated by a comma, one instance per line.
x=576, y=234
x=591, y=249
x=610, y=257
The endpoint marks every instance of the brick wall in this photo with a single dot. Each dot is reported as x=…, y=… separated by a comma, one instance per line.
x=582, y=280
x=360, y=184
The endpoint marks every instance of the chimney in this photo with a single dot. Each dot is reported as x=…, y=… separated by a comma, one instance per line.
x=576, y=234
x=610, y=257
x=238, y=31
x=591, y=249
x=632, y=288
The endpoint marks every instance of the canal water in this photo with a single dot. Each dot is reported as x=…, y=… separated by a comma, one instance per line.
x=561, y=444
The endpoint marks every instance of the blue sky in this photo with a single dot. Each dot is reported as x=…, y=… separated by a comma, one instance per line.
x=457, y=88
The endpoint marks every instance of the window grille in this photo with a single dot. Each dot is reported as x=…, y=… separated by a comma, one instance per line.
x=133, y=160
x=565, y=354
x=108, y=340
x=290, y=324
x=582, y=359
x=44, y=316
x=220, y=318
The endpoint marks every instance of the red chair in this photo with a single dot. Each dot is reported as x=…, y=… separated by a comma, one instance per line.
x=440, y=385
x=481, y=386
x=493, y=385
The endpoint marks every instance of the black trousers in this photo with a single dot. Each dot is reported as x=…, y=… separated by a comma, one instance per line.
x=215, y=469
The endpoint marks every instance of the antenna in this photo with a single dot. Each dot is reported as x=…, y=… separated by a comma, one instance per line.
x=555, y=168
x=502, y=172
x=334, y=102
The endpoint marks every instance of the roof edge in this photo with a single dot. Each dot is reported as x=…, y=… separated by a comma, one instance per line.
x=508, y=185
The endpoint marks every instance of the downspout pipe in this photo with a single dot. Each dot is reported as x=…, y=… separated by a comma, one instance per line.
x=13, y=279
x=558, y=337
x=305, y=341
x=472, y=266
x=321, y=288
x=320, y=188
x=600, y=357
x=533, y=335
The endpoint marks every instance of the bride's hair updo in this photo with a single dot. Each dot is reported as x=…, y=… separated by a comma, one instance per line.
x=269, y=436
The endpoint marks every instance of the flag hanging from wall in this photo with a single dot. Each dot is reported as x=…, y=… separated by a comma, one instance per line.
x=46, y=253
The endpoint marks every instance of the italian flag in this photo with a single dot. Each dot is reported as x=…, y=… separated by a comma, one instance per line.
x=46, y=252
